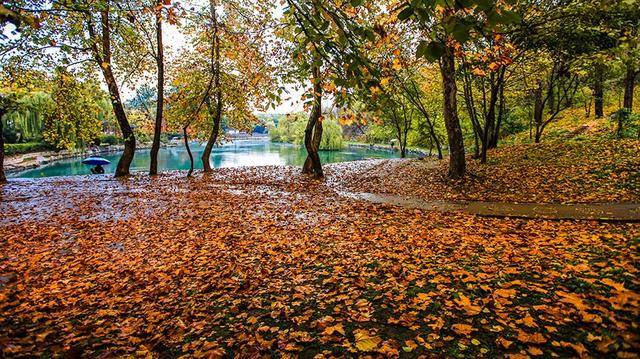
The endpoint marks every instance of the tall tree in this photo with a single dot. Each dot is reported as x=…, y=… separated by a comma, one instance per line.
x=445, y=26
x=215, y=109
x=75, y=32
x=159, y=55
x=226, y=74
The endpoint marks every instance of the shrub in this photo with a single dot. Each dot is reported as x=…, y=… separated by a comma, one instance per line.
x=627, y=123
x=110, y=139
x=27, y=147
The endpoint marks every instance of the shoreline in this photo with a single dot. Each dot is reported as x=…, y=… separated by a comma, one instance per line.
x=34, y=160
x=29, y=161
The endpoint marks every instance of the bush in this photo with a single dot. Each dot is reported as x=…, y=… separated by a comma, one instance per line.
x=10, y=134
x=627, y=123
x=291, y=128
x=110, y=139
x=27, y=147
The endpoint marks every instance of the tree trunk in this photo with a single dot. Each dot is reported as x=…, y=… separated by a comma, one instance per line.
x=457, y=165
x=127, y=132
x=629, y=84
x=495, y=136
x=598, y=91
x=313, y=131
x=213, y=136
x=434, y=139
x=3, y=178
x=157, y=129
x=538, y=113
x=215, y=67
x=102, y=57
x=186, y=144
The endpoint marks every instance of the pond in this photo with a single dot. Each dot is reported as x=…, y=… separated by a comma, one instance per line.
x=251, y=152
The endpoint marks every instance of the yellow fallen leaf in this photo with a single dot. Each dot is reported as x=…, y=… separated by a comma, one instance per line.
x=505, y=293
x=534, y=351
x=364, y=341
x=462, y=329
x=338, y=328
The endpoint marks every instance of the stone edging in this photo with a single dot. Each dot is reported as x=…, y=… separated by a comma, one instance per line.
x=27, y=161
x=384, y=148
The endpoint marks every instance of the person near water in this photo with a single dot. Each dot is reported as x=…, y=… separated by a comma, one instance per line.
x=97, y=170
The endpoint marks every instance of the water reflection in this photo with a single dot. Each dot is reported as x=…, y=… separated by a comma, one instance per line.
x=253, y=152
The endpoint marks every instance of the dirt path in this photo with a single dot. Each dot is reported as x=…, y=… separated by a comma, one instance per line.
x=613, y=212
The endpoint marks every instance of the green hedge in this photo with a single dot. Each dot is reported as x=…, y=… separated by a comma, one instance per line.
x=111, y=139
x=18, y=148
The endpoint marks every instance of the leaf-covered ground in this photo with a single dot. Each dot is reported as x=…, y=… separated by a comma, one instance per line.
x=578, y=171
x=263, y=261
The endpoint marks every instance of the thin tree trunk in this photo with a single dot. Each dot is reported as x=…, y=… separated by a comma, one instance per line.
x=495, y=136
x=313, y=131
x=186, y=144
x=476, y=144
x=629, y=84
x=213, y=136
x=457, y=165
x=434, y=139
x=3, y=178
x=538, y=113
x=598, y=91
x=157, y=129
x=473, y=115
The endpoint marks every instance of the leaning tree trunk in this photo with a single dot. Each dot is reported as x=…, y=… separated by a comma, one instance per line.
x=493, y=142
x=127, y=132
x=629, y=84
x=102, y=56
x=598, y=91
x=185, y=134
x=213, y=136
x=313, y=131
x=457, y=165
x=215, y=67
x=3, y=178
x=157, y=129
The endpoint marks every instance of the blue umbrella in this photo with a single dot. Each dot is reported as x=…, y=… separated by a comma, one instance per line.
x=96, y=161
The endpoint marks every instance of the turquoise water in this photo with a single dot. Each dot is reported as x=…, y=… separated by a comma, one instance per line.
x=235, y=154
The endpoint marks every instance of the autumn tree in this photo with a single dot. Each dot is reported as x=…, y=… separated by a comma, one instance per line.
x=226, y=75
x=559, y=39
x=306, y=31
x=72, y=33
x=484, y=66
x=446, y=26
x=147, y=20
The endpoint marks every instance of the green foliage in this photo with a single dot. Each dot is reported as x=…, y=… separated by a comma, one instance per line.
x=111, y=140
x=74, y=122
x=331, y=135
x=25, y=122
x=290, y=129
x=628, y=123
x=379, y=134
x=27, y=147
x=419, y=135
